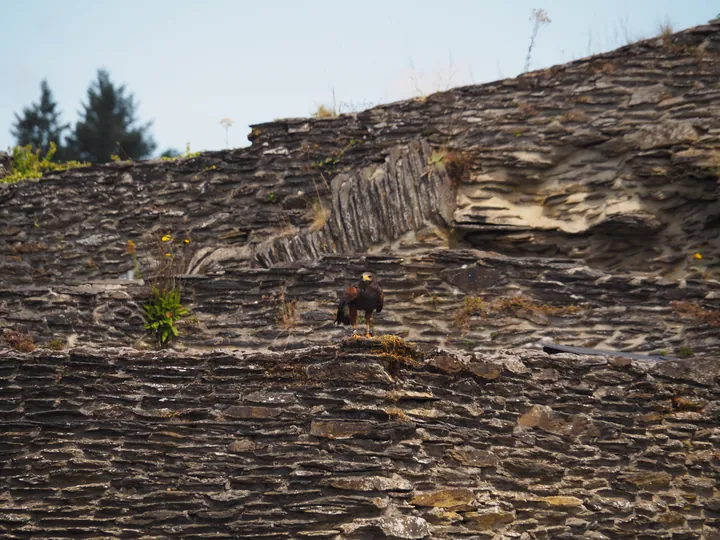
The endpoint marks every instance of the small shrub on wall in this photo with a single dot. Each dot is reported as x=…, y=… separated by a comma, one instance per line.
x=163, y=308
x=28, y=165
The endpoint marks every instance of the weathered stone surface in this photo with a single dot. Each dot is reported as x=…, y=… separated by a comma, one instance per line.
x=533, y=468
x=538, y=416
x=371, y=483
x=252, y=412
x=445, y=498
x=703, y=372
x=447, y=363
x=489, y=519
x=349, y=372
x=336, y=429
x=279, y=398
x=563, y=501
x=404, y=527
x=473, y=457
x=376, y=204
x=648, y=94
x=242, y=445
x=667, y=134
x=485, y=369
x=650, y=480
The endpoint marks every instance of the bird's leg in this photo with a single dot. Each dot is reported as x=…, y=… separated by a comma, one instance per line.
x=369, y=326
x=354, y=320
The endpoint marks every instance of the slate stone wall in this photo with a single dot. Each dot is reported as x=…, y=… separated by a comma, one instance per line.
x=602, y=173
x=357, y=441
x=427, y=300
x=576, y=199
x=610, y=159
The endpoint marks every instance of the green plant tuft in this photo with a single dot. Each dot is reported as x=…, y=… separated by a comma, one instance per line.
x=187, y=155
x=56, y=344
x=163, y=310
x=330, y=163
x=163, y=306
x=685, y=352
x=28, y=165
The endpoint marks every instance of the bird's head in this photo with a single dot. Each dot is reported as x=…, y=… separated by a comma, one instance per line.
x=367, y=277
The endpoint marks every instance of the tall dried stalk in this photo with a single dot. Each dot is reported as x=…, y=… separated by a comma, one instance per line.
x=539, y=18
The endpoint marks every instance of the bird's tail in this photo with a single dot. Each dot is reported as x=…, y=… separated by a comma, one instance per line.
x=343, y=314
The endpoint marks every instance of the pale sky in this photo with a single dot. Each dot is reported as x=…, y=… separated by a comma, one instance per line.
x=190, y=64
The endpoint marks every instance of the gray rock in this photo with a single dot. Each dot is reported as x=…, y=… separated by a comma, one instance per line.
x=404, y=527
x=700, y=371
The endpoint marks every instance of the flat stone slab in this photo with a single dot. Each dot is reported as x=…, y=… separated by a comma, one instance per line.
x=554, y=348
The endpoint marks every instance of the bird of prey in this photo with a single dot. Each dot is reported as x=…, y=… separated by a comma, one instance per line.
x=367, y=296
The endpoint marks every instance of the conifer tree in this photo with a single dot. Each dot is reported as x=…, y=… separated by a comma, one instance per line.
x=108, y=125
x=39, y=124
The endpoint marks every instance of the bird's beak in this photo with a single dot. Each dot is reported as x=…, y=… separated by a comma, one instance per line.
x=366, y=277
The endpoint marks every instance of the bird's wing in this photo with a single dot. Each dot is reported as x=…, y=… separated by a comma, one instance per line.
x=380, y=302
x=350, y=294
x=344, y=311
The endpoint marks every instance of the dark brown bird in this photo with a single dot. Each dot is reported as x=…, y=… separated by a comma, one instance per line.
x=366, y=296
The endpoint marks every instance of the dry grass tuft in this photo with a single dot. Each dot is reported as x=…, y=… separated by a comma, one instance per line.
x=398, y=414
x=287, y=317
x=19, y=341
x=399, y=351
x=666, y=29
x=518, y=303
x=455, y=164
x=573, y=116
x=474, y=305
x=708, y=316
x=715, y=162
x=605, y=68
x=320, y=216
x=324, y=112
x=30, y=247
x=527, y=110
x=397, y=345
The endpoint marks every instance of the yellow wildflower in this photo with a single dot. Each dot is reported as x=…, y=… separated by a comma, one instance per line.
x=186, y=241
x=697, y=256
x=166, y=238
x=168, y=254
x=131, y=247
